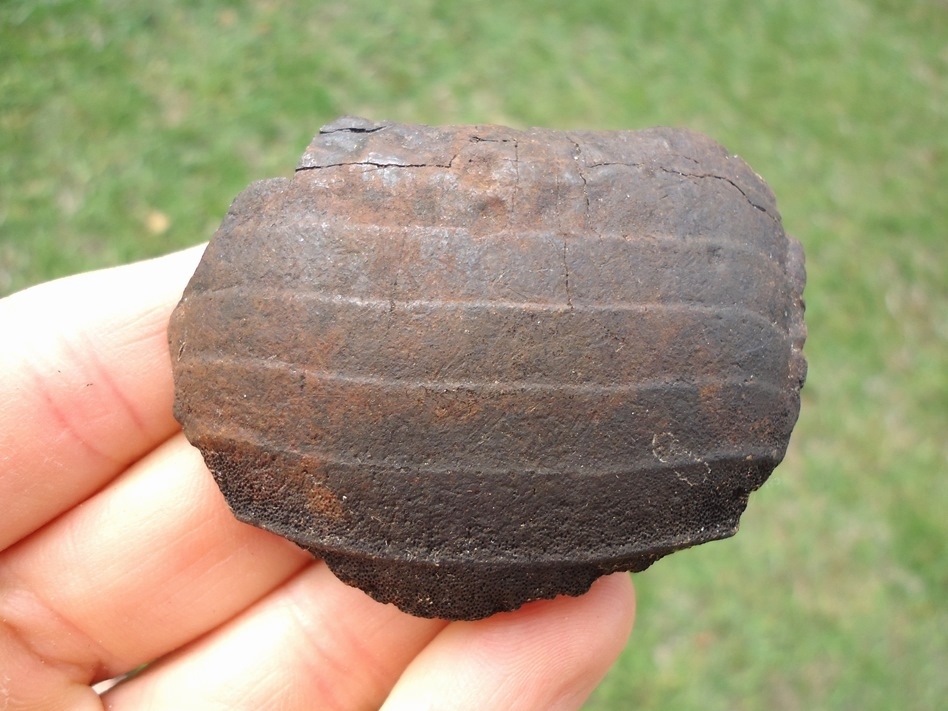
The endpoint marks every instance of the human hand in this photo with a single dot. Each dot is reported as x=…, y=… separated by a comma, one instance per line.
x=117, y=549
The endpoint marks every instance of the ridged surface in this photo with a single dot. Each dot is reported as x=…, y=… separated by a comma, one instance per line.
x=472, y=367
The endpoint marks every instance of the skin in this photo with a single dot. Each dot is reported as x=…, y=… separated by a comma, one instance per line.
x=117, y=550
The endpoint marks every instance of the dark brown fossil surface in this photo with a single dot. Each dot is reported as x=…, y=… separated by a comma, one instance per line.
x=472, y=367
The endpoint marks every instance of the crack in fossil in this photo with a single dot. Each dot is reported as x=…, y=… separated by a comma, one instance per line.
x=582, y=176
x=379, y=164
x=671, y=171
x=516, y=187
x=352, y=129
x=481, y=139
x=569, y=296
x=727, y=180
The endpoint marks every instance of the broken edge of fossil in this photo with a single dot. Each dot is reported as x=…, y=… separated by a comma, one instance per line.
x=472, y=367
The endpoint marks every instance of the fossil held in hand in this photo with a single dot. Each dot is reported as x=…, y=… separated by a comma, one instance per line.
x=472, y=366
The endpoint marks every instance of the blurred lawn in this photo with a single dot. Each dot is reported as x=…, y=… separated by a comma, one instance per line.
x=127, y=127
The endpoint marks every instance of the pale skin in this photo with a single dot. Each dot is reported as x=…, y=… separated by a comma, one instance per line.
x=117, y=549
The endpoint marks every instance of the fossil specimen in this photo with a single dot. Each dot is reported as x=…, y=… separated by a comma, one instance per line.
x=471, y=366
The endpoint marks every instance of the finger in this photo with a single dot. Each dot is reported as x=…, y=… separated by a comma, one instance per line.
x=548, y=655
x=313, y=644
x=138, y=570
x=86, y=385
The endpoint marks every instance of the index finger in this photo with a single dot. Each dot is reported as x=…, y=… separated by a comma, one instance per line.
x=86, y=387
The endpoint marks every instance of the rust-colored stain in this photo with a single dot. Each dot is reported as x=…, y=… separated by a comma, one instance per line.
x=322, y=502
x=472, y=367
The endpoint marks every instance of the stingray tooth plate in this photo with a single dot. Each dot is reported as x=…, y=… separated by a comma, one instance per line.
x=472, y=367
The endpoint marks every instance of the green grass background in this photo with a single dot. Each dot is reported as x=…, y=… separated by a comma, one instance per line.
x=127, y=127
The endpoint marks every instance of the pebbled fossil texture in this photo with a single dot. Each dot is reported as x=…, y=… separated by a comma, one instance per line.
x=471, y=366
